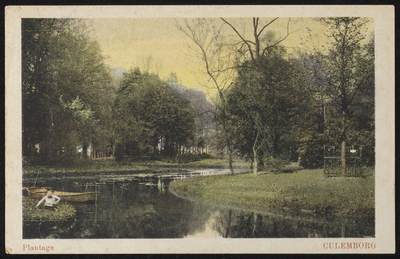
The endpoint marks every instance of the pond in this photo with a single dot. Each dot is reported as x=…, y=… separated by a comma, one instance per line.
x=141, y=209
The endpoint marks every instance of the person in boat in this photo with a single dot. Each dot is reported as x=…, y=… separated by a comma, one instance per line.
x=50, y=200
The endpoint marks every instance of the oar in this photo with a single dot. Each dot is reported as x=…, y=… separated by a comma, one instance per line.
x=36, y=177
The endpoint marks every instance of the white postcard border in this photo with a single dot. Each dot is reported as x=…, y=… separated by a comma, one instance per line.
x=385, y=214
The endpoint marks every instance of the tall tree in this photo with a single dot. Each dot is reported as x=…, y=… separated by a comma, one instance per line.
x=63, y=75
x=36, y=78
x=313, y=70
x=253, y=53
x=269, y=104
x=345, y=62
x=221, y=57
x=217, y=59
x=261, y=42
x=204, y=109
x=148, y=113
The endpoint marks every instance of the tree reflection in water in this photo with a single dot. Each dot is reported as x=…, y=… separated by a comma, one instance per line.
x=141, y=212
x=133, y=210
x=234, y=224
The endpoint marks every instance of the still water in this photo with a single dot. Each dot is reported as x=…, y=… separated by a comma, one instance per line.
x=132, y=209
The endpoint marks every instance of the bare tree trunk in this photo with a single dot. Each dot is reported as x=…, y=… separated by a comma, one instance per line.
x=113, y=149
x=255, y=164
x=230, y=163
x=343, y=158
x=229, y=151
x=208, y=55
x=343, y=154
x=84, y=155
x=255, y=155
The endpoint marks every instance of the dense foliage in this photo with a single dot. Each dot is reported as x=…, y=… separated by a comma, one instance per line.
x=32, y=213
x=283, y=108
x=344, y=85
x=269, y=105
x=64, y=84
x=149, y=117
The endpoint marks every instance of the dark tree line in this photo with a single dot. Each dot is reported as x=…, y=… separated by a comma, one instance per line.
x=150, y=119
x=279, y=108
x=271, y=106
x=70, y=100
x=65, y=85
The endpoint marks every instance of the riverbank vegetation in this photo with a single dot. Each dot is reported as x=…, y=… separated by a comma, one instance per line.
x=135, y=166
x=61, y=212
x=303, y=191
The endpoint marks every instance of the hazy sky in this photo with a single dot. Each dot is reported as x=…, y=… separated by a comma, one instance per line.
x=130, y=42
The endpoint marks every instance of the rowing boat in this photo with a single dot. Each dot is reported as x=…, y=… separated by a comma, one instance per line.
x=39, y=193
x=35, y=192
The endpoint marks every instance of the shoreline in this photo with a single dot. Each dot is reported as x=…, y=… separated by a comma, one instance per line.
x=109, y=167
x=288, y=194
x=283, y=213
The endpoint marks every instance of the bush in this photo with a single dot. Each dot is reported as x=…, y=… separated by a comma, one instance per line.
x=275, y=164
x=311, y=153
x=61, y=212
x=186, y=158
x=312, y=156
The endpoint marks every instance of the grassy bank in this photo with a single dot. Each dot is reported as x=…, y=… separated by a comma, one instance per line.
x=107, y=165
x=32, y=213
x=306, y=190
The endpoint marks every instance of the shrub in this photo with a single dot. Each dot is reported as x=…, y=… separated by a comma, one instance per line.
x=311, y=153
x=61, y=212
x=275, y=164
x=186, y=158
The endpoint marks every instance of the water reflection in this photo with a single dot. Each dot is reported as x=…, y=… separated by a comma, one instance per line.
x=236, y=224
x=141, y=212
x=136, y=210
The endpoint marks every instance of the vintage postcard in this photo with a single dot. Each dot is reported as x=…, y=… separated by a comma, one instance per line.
x=199, y=129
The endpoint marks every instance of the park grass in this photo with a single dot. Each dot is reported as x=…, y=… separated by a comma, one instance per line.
x=86, y=167
x=195, y=163
x=305, y=190
x=209, y=162
x=109, y=165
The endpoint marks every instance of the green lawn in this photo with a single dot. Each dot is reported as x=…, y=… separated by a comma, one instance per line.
x=108, y=165
x=306, y=190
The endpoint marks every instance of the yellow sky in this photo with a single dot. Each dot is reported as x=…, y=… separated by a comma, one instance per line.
x=129, y=42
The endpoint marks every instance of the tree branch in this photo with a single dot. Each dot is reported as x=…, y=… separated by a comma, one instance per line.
x=279, y=41
x=266, y=26
x=240, y=36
